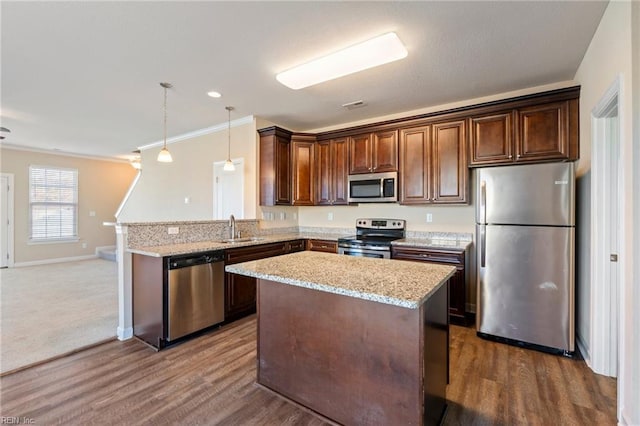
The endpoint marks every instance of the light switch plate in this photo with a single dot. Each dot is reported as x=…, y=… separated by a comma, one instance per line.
x=429, y=218
x=173, y=230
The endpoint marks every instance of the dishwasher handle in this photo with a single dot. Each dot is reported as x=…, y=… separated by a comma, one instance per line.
x=198, y=259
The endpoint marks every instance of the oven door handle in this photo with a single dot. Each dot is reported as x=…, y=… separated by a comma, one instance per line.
x=350, y=247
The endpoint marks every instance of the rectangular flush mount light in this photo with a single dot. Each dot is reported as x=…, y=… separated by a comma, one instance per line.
x=368, y=54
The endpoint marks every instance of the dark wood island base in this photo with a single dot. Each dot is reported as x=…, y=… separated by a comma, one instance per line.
x=351, y=360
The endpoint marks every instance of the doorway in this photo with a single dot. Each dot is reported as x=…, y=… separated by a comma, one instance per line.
x=6, y=220
x=228, y=190
x=607, y=239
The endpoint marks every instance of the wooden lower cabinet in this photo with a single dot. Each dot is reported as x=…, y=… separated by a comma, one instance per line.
x=326, y=246
x=240, y=291
x=457, y=283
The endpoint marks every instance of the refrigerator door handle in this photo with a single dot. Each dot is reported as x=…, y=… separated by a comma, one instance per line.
x=483, y=202
x=483, y=246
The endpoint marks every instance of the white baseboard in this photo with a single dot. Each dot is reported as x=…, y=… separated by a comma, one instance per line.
x=56, y=260
x=124, y=333
x=584, y=350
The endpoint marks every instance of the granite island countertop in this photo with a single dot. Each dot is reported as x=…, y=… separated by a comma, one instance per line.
x=394, y=282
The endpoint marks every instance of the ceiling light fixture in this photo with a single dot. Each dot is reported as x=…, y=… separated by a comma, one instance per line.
x=214, y=94
x=368, y=54
x=4, y=129
x=136, y=161
x=228, y=165
x=164, y=156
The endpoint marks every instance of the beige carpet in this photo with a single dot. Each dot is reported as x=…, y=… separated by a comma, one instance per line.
x=50, y=310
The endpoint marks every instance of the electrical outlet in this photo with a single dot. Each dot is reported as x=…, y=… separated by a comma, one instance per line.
x=92, y=213
x=429, y=218
x=173, y=230
x=84, y=245
x=187, y=200
x=330, y=216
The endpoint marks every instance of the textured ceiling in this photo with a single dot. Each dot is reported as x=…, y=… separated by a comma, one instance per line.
x=82, y=77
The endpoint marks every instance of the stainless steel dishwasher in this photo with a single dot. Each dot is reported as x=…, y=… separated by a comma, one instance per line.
x=195, y=298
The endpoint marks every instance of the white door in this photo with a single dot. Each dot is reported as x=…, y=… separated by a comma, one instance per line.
x=6, y=219
x=228, y=191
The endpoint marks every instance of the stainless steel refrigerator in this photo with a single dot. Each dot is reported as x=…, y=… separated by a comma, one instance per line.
x=525, y=228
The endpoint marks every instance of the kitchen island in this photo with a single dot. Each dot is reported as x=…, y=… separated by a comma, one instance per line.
x=357, y=340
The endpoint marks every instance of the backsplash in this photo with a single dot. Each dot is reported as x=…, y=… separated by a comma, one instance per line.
x=157, y=233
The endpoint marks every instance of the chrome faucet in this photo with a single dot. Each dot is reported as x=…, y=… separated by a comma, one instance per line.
x=232, y=224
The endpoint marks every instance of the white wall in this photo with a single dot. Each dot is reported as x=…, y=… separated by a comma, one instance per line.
x=613, y=53
x=608, y=55
x=162, y=188
x=630, y=409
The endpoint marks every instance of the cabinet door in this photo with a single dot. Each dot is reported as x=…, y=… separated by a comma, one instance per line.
x=275, y=168
x=360, y=154
x=543, y=132
x=457, y=283
x=339, y=171
x=385, y=151
x=303, y=182
x=415, y=147
x=240, y=296
x=324, y=168
x=282, y=171
x=491, y=139
x=450, y=172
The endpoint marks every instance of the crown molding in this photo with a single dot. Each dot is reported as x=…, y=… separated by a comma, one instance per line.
x=201, y=132
x=14, y=147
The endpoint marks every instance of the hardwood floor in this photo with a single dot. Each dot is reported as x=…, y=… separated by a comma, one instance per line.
x=210, y=380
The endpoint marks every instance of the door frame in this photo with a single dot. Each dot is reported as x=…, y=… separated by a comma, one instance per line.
x=217, y=167
x=604, y=355
x=10, y=218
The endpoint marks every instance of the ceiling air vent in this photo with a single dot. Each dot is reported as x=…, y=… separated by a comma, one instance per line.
x=354, y=104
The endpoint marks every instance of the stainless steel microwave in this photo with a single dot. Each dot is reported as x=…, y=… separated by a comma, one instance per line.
x=373, y=188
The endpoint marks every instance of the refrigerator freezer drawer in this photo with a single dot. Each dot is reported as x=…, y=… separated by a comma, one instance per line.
x=526, y=287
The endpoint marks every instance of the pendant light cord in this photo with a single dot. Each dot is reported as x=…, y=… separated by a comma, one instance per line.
x=165, y=117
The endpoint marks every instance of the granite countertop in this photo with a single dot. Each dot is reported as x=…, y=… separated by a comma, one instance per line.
x=201, y=246
x=394, y=282
x=433, y=243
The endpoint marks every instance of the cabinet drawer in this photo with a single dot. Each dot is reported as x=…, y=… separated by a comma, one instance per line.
x=245, y=254
x=294, y=246
x=326, y=246
x=429, y=255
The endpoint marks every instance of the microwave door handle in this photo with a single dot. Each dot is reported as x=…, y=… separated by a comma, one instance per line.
x=381, y=188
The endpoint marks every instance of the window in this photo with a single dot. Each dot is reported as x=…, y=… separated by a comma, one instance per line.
x=53, y=201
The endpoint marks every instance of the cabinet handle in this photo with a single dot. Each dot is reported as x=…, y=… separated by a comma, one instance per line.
x=519, y=156
x=510, y=156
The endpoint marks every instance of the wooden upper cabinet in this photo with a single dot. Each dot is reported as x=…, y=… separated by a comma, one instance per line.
x=543, y=132
x=415, y=165
x=373, y=152
x=491, y=138
x=360, y=158
x=275, y=166
x=528, y=134
x=302, y=160
x=332, y=171
x=433, y=167
x=450, y=173
x=385, y=151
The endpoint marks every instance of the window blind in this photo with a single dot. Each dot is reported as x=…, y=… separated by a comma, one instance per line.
x=53, y=199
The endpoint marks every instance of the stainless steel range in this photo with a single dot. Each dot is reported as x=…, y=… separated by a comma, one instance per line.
x=373, y=238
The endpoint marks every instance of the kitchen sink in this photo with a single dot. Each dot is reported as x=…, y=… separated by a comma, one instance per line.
x=241, y=240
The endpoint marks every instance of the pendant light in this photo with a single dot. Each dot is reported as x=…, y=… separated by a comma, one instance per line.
x=228, y=165
x=164, y=156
